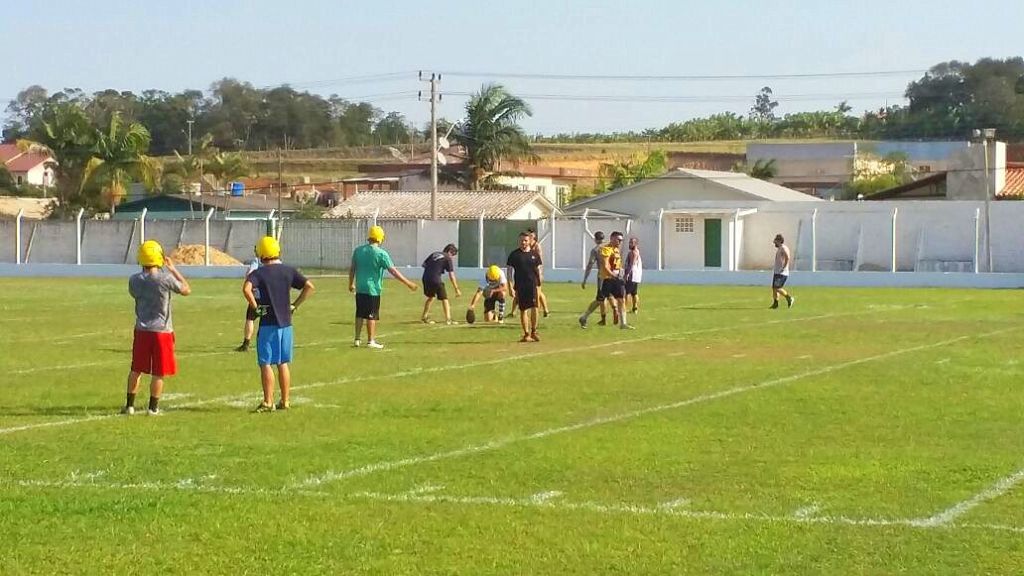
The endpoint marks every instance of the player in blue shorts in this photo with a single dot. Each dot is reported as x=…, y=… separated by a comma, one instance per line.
x=273, y=282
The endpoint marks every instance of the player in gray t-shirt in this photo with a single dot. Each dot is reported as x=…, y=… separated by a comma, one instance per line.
x=153, y=343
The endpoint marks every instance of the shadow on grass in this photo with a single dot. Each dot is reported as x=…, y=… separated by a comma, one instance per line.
x=80, y=411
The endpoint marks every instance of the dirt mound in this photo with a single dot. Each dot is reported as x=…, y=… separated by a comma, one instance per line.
x=195, y=254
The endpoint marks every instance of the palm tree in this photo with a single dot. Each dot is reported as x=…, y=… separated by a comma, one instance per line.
x=226, y=166
x=68, y=136
x=119, y=158
x=764, y=170
x=491, y=134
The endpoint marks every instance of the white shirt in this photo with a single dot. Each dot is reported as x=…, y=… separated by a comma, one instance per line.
x=635, y=272
x=486, y=284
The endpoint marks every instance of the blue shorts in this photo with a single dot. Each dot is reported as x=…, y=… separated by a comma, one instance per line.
x=274, y=345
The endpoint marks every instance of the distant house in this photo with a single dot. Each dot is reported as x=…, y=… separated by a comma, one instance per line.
x=178, y=206
x=451, y=205
x=823, y=168
x=553, y=182
x=966, y=179
x=31, y=168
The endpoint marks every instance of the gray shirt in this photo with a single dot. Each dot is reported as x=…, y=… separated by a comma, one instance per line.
x=152, y=293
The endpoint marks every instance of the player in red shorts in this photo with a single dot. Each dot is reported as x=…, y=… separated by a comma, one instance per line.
x=153, y=346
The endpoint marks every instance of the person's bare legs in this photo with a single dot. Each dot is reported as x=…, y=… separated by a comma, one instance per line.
x=534, y=320
x=371, y=330
x=359, y=328
x=267, y=380
x=426, y=309
x=284, y=379
x=447, y=311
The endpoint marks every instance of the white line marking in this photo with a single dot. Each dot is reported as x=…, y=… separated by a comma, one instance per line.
x=332, y=476
x=545, y=497
x=996, y=490
x=943, y=361
x=806, y=512
x=804, y=357
x=548, y=500
x=677, y=512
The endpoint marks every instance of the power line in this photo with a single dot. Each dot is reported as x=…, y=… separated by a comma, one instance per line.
x=678, y=78
x=697, y=99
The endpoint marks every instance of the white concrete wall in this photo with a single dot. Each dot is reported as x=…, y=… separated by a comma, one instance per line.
x=434, y=235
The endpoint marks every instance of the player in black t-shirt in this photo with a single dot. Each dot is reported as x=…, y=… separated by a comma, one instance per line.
x=524, y=268
x=434, y=268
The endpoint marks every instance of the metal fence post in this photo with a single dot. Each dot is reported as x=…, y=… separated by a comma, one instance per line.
x=206, y=227
x=895, y=212
x=78, y=236
x=17, y=235
x=142, y=225
x=814, y=240
x=661, y=239
x=977, y=238
x=480, y=244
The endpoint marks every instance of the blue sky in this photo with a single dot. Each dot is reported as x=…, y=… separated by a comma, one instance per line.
x=312, y=44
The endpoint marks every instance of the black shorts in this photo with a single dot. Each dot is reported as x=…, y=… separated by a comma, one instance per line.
x=367, y=307
x=632, y=288
x=526, y=297
x=492, y=302
x=779, y=280
x=435, y=290
x=613, y=288
x=250, y=314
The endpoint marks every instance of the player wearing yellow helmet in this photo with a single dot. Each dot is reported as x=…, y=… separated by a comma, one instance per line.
x=365, y=280
x=267, y=291
x=153, y=341
x=492, y=289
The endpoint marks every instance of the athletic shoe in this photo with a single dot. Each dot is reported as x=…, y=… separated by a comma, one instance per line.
x=502, y=321
x=627, y=327
x=602, y=322
x=374, y=345
x=583, y=322
x=789, y=301
x=282, y=406
x=242, y=348
x=128, y=410
x=426, y=320
x=526, y=338
x=156, y=412
x=774, y=305
x=356, y=344
x=452, y=323
x=263, y=408
x=534, y=337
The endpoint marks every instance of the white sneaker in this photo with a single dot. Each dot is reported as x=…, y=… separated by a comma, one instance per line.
x=374, y=345
x=356, y=344
x=452, y=323
x=627, y=327
x=128, y=410
x=156, y=412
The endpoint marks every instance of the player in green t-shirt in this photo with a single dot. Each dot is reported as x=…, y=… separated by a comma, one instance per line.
x=365, y=279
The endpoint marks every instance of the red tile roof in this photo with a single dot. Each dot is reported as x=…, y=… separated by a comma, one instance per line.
x=1014, y=187
x=8, y=152
x=26, y=162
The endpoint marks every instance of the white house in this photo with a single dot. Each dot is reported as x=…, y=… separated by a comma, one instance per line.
x=28, y=167
x=451, y=205
x=697, y=215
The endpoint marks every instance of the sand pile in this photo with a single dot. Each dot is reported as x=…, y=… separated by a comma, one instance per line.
x=195, y=254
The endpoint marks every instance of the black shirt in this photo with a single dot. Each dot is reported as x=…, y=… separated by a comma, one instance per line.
x=435, y=266
x=524, y=264
x=272, y=283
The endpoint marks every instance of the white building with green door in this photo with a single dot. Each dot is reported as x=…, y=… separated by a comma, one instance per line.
x=699, y=214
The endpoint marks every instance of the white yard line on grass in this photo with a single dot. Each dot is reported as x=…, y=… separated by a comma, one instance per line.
x=660, y=510
x=366, y=470
x=415, y=371
x=549, y=500
x=996, y=490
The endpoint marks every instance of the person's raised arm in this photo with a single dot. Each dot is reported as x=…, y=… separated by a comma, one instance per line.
x=184, y=288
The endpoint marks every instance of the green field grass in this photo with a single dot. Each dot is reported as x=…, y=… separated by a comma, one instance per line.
x=864, y=431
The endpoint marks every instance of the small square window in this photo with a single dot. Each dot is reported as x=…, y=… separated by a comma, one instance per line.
x=684, y=224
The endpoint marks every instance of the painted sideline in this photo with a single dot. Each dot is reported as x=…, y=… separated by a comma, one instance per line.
x=416, y=371
x=332, y=476
x=1001, y=487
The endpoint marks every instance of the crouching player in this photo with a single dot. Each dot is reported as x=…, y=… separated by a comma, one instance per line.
x=493, y=289
x=273, y=282
x=153, y=345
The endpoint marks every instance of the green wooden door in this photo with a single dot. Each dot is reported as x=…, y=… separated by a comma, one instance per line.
x=713, y=243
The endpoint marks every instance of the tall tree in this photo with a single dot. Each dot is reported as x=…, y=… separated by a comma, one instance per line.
x=491, y=135
x=119, y=158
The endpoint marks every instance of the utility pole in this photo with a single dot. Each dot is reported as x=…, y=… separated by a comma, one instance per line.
x=190, y=123
x=280, y=182
x=435, y=79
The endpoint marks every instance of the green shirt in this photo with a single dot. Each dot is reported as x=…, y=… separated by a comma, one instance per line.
x=371, y=261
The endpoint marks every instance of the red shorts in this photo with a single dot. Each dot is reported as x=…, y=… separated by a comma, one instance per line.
x=153, y=353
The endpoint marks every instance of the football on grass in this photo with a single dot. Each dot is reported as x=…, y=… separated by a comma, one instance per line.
x=470, y=316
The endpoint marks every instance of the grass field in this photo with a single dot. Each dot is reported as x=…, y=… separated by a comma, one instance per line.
x=861, y=432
